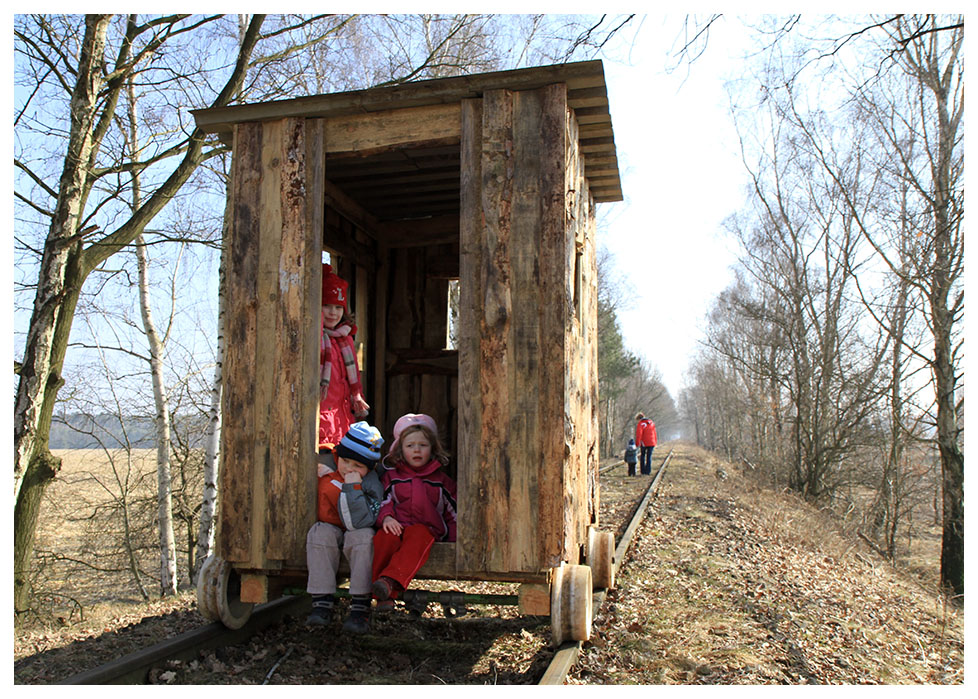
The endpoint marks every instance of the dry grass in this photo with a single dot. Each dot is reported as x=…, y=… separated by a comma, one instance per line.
x=80, y=559
x=727, y=583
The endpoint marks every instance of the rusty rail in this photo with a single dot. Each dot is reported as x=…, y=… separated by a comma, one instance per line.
x=134, y=668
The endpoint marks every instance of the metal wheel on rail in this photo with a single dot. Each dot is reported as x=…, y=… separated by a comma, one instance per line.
x=601, y=558
x=570, y=603
x=206, y=601
x=219, y=594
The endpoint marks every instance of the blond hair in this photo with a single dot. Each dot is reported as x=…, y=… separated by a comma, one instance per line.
x=437, y=450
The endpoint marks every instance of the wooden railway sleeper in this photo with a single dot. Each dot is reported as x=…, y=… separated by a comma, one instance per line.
x=452, y=602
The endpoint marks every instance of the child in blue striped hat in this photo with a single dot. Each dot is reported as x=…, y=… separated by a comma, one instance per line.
x=349, y=497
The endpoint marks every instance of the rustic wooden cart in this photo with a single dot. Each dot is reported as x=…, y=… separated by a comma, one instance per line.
x=491, y=181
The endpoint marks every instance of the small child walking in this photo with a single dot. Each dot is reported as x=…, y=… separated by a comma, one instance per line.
x=349, y=497
x=418, y=507
x=631, y=456
x=340, y=392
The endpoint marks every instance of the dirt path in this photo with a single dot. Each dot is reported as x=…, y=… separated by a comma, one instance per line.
x=729, y=584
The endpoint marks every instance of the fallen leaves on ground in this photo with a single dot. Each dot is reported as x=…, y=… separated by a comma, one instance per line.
x=726, y=583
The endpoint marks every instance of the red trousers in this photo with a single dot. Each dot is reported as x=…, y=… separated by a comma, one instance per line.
x=401, y=557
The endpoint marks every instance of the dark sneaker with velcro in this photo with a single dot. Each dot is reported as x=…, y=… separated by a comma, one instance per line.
x=321, y=614
x=359, y=619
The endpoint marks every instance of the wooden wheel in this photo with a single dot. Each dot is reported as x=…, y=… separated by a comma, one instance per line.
x=219, y=594
x=570, y=604
x=206, y=584
x=601, y=558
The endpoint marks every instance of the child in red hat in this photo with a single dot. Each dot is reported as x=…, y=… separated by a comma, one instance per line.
x=340, y=393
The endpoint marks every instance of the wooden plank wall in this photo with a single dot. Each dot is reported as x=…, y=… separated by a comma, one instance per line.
x=581, y=357
x=271, y=365
x=514, y=322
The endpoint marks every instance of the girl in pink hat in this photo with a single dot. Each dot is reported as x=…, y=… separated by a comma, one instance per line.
x=340, y=393
x=418, y=507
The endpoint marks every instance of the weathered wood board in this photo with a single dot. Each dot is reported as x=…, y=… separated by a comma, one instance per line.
x=525, y=436
x=490, y=183
x=271, y=360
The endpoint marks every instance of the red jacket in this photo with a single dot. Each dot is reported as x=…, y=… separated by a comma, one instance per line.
x=645, y=434
x=426, y=496
x=335, y=410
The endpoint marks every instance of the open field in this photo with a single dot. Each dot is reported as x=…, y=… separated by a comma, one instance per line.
x=98, y=526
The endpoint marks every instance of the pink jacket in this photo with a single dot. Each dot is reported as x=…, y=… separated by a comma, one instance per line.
x=426, y=496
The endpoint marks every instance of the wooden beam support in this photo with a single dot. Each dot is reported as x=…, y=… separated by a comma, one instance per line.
x=419, y=232
x=534, y=599
x=337, y=199
x=364, y=134
x=254, y=588
x=577, y=76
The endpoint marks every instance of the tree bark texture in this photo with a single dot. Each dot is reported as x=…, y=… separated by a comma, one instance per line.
x=65, y=266
x=37, y=372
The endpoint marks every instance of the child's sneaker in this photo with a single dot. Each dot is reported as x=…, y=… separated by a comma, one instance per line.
x=322, y=611
x=385, y=606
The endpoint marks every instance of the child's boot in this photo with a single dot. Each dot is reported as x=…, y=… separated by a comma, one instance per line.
x=359, y=619
x=322, y=611
x=385, y=588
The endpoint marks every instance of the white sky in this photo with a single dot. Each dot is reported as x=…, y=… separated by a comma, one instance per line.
x=681, y=177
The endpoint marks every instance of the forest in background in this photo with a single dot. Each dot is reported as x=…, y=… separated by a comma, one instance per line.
x=834, y=364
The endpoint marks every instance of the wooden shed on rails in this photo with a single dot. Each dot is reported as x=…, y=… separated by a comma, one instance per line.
x=484, y=185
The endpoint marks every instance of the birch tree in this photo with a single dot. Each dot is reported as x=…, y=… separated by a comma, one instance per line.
x=899, y=78
x=929, y=50
x=910, y=93
x=164, y=497
x=207, y=532
x=73, y=249
x=168, y=556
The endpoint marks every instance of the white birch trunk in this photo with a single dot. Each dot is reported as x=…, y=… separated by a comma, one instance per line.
x=212, y=441
x=164, y=491
x=168, y=556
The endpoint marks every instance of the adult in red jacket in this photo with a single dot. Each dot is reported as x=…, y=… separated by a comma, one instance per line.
x=646, y=438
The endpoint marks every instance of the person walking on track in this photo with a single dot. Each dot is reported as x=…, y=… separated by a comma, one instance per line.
x=646, y=438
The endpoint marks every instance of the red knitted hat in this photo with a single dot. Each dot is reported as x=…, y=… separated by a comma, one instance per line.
x=334, y=288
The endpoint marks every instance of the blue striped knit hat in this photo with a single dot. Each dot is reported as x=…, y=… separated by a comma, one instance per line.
x=362, y=442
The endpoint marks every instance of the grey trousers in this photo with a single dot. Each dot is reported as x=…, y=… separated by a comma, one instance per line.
x=323, y=543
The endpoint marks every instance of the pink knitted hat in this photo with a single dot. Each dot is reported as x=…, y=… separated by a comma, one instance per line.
x=411, y=419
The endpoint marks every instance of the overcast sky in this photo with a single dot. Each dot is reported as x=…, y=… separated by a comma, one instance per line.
x=681, y=177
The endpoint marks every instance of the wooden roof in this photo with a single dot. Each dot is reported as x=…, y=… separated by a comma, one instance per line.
x=421, y=179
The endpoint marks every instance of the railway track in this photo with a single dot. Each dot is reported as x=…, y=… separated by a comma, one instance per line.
x=136, y=667
x=567, y=654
